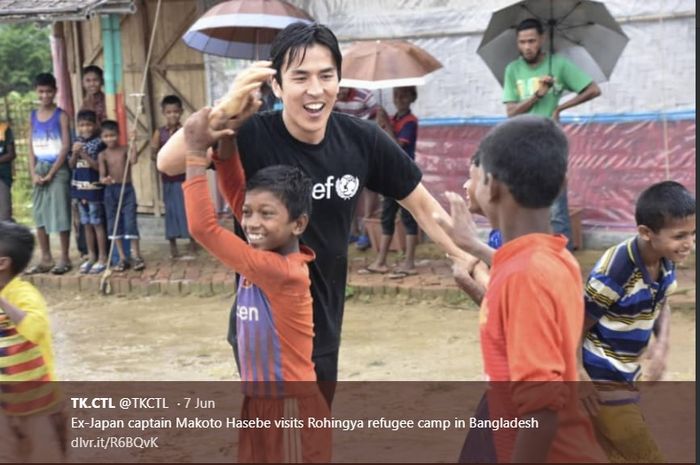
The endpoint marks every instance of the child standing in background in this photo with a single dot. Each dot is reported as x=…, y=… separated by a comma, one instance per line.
x=7, y=156
x=112, y=162
x=94, y=97
x=403, y=128
x=49, y=143
x=175, y=216
x=87, y=192
x=94, y=101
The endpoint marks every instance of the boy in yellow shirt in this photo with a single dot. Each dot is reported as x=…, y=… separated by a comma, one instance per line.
x=32, y=425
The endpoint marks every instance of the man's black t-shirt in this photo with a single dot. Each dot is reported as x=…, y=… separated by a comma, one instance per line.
x=353, y=154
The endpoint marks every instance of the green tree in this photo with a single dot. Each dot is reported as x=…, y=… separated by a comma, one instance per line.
x=25, y=51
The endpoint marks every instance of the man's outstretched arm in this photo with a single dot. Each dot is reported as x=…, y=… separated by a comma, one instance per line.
x=424, y=208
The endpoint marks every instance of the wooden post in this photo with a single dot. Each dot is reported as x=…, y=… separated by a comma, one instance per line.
x=78, y=63
x=150, y=107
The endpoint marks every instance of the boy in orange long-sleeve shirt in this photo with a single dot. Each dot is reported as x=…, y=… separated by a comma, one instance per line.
x=274, y=315
x=531, y=316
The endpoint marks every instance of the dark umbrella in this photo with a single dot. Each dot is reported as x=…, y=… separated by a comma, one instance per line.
x=582, y=30
x=242, y=28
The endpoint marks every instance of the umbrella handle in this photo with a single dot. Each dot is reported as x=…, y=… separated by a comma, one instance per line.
x=551, y=23
x=257, y=44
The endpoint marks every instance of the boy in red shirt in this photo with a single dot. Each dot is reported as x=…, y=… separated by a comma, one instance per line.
x=531, y=317
x=274, y=316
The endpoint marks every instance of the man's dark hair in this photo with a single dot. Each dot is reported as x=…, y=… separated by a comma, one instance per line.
x=528, y=154
x=45, y=79
x=661, y=202
x=110, y=125
x=95, y=70
x=170, y=100
x=16, y=242
x=87, y=115
x=530, y=23
x=295, y=39
x=288, y=183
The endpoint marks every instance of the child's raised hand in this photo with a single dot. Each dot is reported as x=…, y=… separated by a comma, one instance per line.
x=199, y=134
x=461, y=272
x=77, y=147
x=460, y=268
x=461, y=228
x=383, y=120
x=243, y=99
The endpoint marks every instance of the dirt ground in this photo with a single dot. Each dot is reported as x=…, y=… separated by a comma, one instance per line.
x=98, y=338
x=184, y=338
x=166, y=338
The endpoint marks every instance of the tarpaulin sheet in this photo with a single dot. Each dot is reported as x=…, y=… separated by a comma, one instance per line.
x=610, y=164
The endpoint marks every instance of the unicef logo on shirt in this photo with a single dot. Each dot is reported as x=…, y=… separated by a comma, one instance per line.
x=347, y=186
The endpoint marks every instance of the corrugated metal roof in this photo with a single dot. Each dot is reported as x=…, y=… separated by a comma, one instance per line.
x=60, y=10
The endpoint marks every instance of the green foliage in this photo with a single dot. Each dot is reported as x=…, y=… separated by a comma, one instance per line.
x=349, y=292
x=25, y=51
x=15, y=108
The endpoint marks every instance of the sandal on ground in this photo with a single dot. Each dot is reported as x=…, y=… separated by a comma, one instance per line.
x=368, y=270
x=363, y=243
x=398, y=274
x=39, y=268
x=139, y=264
x=86, y=267
x=97, y=268
x=61, y=268
x=121, y=266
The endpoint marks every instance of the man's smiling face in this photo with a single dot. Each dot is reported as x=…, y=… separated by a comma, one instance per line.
x=308, y=91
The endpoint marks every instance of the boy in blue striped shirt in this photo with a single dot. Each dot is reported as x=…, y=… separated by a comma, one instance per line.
x=626, y=302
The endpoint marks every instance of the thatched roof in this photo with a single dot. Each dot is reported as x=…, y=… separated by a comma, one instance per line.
x=60, y=10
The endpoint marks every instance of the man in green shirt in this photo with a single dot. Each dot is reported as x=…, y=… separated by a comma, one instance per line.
x=530, y=87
